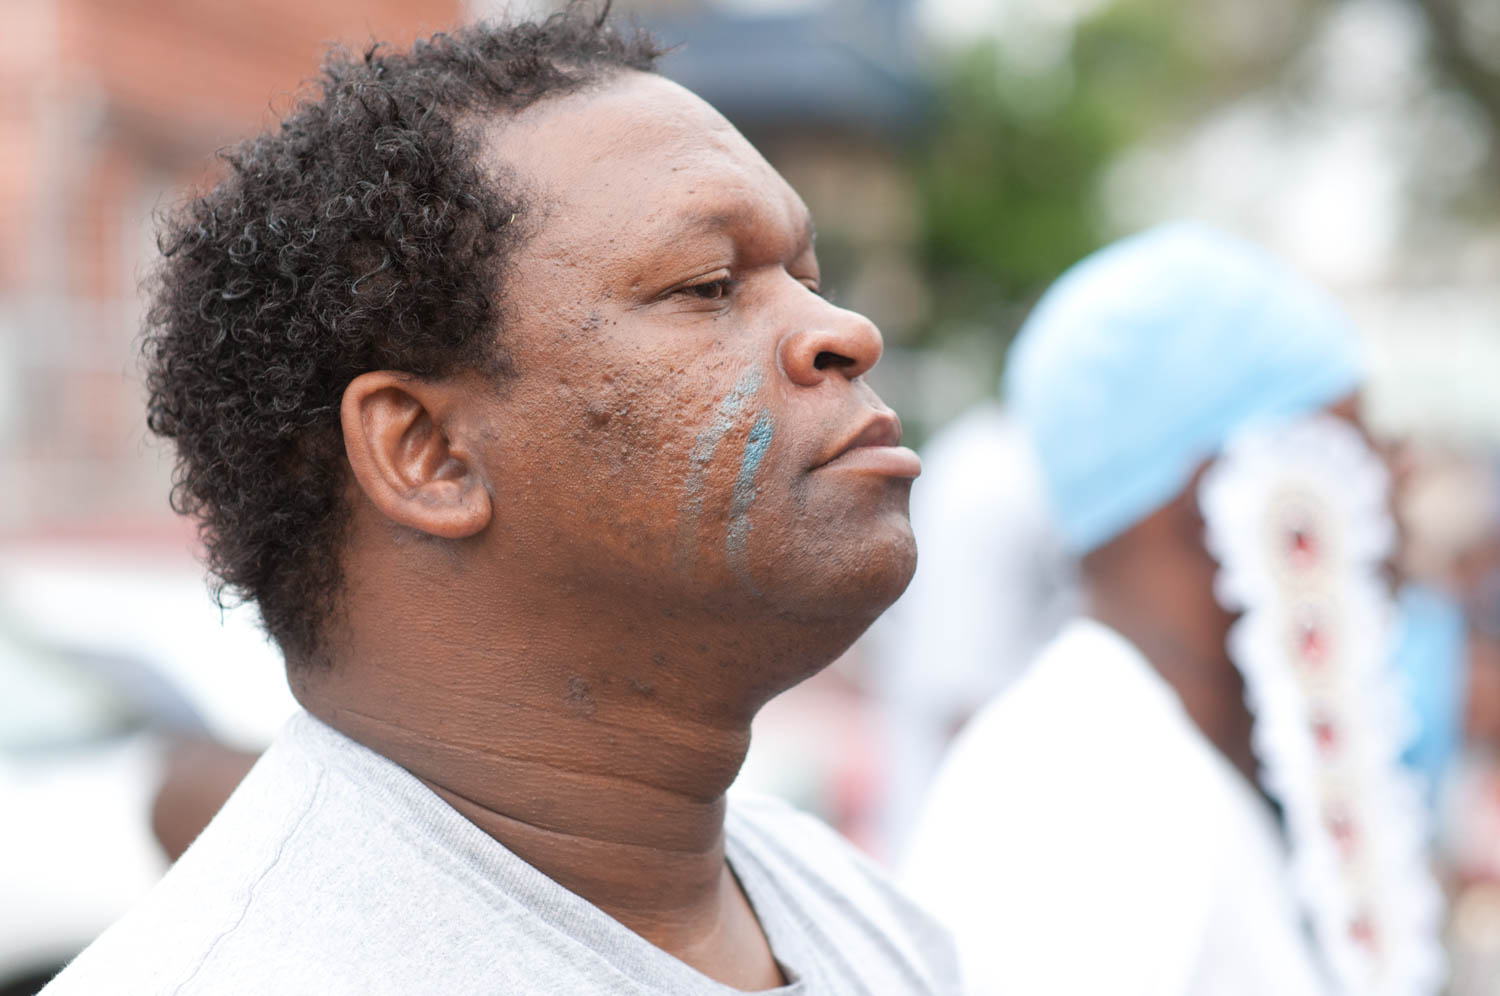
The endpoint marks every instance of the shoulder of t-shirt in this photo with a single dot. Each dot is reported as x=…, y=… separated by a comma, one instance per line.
x=163, y=943
x=804, y=852
x=830, y=880
x=774, y=826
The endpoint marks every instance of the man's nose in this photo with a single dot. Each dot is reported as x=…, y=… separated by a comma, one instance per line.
x=834, y=343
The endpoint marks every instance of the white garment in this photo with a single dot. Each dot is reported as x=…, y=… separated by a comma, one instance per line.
x=331, y=870
x=1083, y=837
x=992, y=586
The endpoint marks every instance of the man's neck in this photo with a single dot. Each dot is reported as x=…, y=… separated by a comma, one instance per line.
x=648, y=853
x=607, y=772
x=603, y=775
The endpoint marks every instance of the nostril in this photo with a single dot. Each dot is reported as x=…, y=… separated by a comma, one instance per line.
x=827, y=359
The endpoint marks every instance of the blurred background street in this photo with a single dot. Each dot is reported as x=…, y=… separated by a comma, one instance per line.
x=957, y=155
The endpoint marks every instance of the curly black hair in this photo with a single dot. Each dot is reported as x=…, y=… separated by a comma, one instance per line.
x=362, y=234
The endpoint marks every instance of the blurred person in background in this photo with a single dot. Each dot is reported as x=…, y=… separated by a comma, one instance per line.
x=1445, y=505
x=501, y=383
x=1454, y=519
x=1102, y=826
x=993, y=585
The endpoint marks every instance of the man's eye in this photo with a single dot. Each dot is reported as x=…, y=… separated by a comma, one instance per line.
x=712, y=290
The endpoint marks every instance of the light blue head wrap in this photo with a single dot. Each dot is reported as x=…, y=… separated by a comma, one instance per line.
x=1141, y=360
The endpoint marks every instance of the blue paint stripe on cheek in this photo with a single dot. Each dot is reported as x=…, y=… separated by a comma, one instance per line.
x=755, y=451
x=704, y=448
x=737, y=539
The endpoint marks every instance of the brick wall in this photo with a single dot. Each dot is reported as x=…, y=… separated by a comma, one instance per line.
x=114, y=107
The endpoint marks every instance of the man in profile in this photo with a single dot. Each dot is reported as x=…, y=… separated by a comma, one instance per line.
x=500, y=380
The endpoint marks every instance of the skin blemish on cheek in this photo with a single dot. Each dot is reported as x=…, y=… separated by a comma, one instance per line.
x=598, y=414
x=580, y=698
x=704, y=447
x=737, y=539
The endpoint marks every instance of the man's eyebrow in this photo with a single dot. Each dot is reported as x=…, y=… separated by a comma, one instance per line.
x=716, y=222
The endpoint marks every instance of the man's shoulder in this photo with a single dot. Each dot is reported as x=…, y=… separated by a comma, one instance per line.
x=795, y=849
x=301, y=871
x=163, y=942
x=339, y=874
x=797, y=845
x=822, y=885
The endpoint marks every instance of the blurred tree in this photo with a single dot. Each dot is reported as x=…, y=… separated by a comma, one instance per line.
x=1026, y=128
x=1463, y=39
x=1009, y=172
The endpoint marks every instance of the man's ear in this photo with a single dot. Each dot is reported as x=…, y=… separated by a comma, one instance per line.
x=397, y=437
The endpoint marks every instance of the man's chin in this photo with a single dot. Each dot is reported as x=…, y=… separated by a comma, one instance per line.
x=849, y=583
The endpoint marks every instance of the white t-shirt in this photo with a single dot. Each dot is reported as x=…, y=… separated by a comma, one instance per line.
x=331, y=870
x=1083, y=837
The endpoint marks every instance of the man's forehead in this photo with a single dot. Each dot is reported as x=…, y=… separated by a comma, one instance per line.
x=612, y=119
x=641, y=146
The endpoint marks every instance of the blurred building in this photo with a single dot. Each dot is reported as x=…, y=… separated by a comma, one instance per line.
x=112, y=110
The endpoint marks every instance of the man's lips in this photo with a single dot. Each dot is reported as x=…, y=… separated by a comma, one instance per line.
x=876, y=448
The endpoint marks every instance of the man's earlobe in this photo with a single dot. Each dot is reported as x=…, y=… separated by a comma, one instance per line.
x=397, y=437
